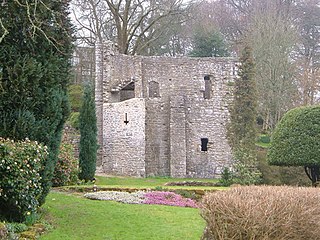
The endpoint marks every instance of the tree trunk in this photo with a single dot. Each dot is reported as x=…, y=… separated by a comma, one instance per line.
x=313, y=173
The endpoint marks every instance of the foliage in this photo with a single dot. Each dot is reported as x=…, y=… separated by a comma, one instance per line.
x=88, y=139
x=262, y=213
x=75, y=92
x=295, y=141
x=16, y=227
x=242, y=126
x=66, y=171
x=226, y=178
x=264, y=138
x=208, y=44
x=275, y=175
x=34, y=73
x=245, y=171
x=187, y=194
x=20, y=183
x=73, y=120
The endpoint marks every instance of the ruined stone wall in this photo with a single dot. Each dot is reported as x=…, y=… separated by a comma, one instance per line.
x=177, y=111
x=188, y=117
x=124, y=138
x=157, y=138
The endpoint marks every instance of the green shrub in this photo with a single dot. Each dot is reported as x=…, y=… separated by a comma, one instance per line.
x=295, y=141
x=35, y=60
x=264, y=138
x=75, y=96
x=245, y=171
x=16, y=227
x=226, y=178
x=20, y=182
x=261, y=212
x=73, y=120
x=275, y=175
x=66, y=171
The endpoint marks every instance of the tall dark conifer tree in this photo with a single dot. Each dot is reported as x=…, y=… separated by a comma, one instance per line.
x=88, y=139
x=35, y=52
x=242, y=128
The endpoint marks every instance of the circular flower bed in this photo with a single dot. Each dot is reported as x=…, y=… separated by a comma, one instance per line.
x=140, y=197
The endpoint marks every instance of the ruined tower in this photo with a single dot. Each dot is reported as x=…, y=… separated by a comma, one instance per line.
x=163, y=116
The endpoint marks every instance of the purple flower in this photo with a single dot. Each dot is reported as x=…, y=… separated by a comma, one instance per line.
x=168, y=198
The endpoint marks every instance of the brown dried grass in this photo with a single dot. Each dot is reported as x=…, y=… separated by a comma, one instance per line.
x=262, y=212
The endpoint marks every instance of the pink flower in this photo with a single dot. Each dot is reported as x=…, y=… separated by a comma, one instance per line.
x=168, y=198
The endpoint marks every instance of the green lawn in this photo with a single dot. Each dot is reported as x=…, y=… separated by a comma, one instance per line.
x=131, y=182
x=75, y=217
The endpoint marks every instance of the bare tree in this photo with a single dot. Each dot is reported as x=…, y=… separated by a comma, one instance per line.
x=133, y=24
x=308, y=50
x=269, y=27
x=273, y=37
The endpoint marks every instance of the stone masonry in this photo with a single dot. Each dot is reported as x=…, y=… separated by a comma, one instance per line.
x=163, y=116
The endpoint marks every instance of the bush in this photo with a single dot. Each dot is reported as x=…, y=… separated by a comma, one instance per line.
x=73, y=120
x=275, y=175
x=34, y=74
x=295, y=141
x=20, y=183
x=261, y=212
x=245, y=171
x=226, y=178
x=66, y=171
x=264, y=138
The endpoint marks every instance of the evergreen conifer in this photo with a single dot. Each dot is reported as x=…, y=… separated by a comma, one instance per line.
x=88, y=139
x=242, y=128
x=35, y=52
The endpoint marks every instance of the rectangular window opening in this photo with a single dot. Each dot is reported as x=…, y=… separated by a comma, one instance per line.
x=208, y=87
x=204, y=144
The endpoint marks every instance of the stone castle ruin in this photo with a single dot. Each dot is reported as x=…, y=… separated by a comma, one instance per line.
x=163, y=116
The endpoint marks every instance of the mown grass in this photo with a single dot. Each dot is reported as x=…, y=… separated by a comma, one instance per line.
x=75, y=217
x=152, y=183
x=143, y=182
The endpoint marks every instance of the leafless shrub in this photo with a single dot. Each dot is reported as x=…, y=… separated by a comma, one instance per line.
x=262, y=212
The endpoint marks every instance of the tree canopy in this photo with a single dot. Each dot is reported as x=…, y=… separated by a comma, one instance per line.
x=208, y=44
x=295, y=141
x=35, y=51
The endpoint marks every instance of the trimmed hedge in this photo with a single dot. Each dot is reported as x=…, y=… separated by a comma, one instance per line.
x=262, y=213
x=20, y=182
x=296, y=139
